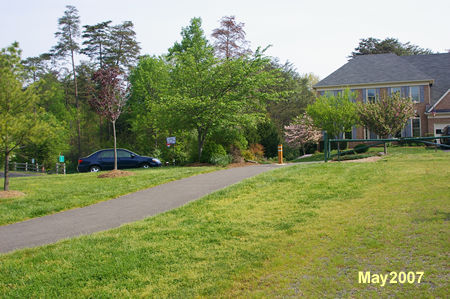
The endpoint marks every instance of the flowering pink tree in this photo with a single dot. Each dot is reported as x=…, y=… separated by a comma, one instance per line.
x=108, y=97
x=301, y=131
x=386, y=116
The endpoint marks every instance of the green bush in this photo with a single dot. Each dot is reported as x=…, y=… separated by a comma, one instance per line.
x=219, y=159
x=210, y=150
x=361, y=148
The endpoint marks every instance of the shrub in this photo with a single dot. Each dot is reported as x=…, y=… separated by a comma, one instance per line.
x=361, y=148
x=257, y=150
x=219, y=159
x=236, y=155
x=212, y=149
x=248, y=155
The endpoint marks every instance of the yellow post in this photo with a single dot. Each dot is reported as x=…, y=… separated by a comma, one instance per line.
x=280, y=154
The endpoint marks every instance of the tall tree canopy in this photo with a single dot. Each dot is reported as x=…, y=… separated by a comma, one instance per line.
x=123, y=49
x=206, y=92
x=19, y=113
x=96, y=41
x=67, y=46
x=389, y=45
x=295, y=95
x=230, y=38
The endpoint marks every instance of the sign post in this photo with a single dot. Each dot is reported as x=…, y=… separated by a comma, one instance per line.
x=280, y=154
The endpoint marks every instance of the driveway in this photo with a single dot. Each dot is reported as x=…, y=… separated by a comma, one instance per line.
x=115, y=212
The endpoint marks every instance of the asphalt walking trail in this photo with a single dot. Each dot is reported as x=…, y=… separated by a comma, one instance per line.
x=115, y=212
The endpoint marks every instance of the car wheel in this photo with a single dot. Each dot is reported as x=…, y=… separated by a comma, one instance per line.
x=145, y=165
x=95, y=168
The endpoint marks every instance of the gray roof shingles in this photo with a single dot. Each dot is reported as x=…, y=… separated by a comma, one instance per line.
x=390, y=68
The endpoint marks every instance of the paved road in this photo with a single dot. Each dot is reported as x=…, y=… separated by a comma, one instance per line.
x=113, y=213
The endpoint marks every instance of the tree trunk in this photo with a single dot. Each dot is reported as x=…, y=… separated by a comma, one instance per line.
x=201, y=141
x=77, y=105
x=115, y=145
x=385, y=148
x=6, y=174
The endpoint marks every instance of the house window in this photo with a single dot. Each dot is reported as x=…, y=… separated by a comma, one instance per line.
x=415, y=93
x=371, y=95
x=369, y=134
x=395, y=89
x=416, y=127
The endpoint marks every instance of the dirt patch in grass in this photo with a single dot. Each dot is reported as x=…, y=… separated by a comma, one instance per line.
x=115, y=174
x=11, y=194
x=198, y=164
x=369, y=159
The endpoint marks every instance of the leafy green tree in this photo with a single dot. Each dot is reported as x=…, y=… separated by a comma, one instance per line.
x=150, y=83
x=295, y=95
x=67, y=46
x=335, y=114
x=96, y=41
x=19, y=113
x=269, y=137
x=389, y=45
x=386, y=116
x=207, y=92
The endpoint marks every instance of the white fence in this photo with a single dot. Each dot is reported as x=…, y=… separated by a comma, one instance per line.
x=35, y=167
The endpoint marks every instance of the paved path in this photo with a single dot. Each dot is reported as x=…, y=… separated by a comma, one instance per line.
x=115, y=212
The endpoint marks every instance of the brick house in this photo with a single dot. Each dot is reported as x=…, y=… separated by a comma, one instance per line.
x=423, y=78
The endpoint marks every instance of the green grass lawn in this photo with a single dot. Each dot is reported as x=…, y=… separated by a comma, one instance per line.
x=53, y=193
x=304, y=230
x=371, y=151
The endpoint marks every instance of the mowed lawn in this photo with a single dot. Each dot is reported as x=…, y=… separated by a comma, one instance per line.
x=54, y=193
x=305, y=230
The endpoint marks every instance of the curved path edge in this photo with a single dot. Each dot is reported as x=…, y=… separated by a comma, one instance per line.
x=121, y=210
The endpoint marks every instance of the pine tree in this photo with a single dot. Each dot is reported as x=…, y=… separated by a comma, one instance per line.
x=67, y=46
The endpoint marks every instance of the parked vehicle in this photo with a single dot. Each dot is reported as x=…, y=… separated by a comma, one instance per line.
x=104, y=160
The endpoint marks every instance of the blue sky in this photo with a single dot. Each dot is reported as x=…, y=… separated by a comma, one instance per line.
x=316, y=36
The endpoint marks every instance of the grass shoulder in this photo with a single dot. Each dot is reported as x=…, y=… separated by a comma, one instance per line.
x=300, y=230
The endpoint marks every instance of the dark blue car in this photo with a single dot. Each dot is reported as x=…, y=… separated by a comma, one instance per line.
x=104, y=160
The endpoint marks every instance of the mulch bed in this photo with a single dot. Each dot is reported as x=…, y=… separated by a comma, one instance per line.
x=115, y=174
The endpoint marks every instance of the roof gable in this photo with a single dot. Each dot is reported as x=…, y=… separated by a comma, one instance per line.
x=436, y=66
x=370, y=69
